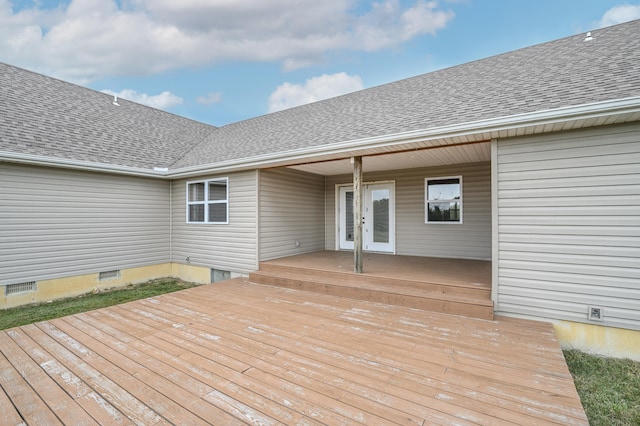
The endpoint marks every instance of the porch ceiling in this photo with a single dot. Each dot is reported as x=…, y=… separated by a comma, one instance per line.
x=458, y=144
x=440, y=156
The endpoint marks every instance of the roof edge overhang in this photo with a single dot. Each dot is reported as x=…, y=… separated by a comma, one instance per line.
x=599, y=113
x=44, y=161
x=625, y=110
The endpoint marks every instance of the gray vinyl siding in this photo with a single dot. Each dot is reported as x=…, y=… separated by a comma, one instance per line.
x=57, y=223
x=469, y=240
x=228, y=247
x=291, y=209
x=569, y=225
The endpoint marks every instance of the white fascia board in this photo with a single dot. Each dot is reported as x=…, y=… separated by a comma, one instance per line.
x=41, y=160
x=538, y=118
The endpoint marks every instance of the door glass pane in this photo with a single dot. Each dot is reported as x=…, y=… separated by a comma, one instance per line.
x=380, y=199
x=348, y=211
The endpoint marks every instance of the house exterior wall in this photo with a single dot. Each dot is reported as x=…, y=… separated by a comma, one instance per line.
x=469, y=240
x=291, y=219
x=61, y=228
x=228, y=247
x=58, y=223
x=568, y=226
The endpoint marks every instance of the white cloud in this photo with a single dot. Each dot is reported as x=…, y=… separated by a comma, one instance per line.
x=164, y=100
x=89, y=39
x=620, y=14
x=388, y=23
x=211, y=98
x=315, y=89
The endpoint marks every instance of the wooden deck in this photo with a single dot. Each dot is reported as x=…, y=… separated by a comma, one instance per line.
x=453, y=286
x=241, y=353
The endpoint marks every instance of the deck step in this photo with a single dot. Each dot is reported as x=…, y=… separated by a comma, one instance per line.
x=452, y=298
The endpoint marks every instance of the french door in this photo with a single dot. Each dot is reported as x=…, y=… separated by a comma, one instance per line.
x=378, y=229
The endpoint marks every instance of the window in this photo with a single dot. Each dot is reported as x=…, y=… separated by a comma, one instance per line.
x=208, y=201
x=443, y=198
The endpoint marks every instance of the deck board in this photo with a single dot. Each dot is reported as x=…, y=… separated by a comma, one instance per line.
x=31, y=408
x=242, y=353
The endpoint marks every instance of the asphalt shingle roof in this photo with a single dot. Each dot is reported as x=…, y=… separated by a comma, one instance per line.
x=44, y=116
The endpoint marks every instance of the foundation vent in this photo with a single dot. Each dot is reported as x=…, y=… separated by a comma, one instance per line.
x=219, y=275
x=596, y=313
x=28, y=287
x=109, y=275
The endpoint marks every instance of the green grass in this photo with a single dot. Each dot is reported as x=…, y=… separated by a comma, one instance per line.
x=609, y=388
x=28, y=314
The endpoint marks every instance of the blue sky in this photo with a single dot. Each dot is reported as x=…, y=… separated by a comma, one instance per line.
x=222, y=61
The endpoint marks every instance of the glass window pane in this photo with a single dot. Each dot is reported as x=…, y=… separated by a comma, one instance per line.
x=380, y=215
x=443, y=189
x=196, y=213
x=349, y=215
x=217, y=191
x=218, y=212
x=444, y=212
x=196, y=191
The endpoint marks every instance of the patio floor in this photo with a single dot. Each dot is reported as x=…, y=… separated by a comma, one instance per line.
x=452, y=286
x=241, y=353
x=416, y=268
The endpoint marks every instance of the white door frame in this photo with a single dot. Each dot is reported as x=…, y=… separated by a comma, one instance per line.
x=368, y=235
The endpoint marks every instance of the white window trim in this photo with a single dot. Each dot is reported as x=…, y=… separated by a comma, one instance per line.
x=426, y=201
x=206, y=201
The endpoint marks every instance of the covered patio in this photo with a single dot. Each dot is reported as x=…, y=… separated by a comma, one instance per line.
x=235, y=352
